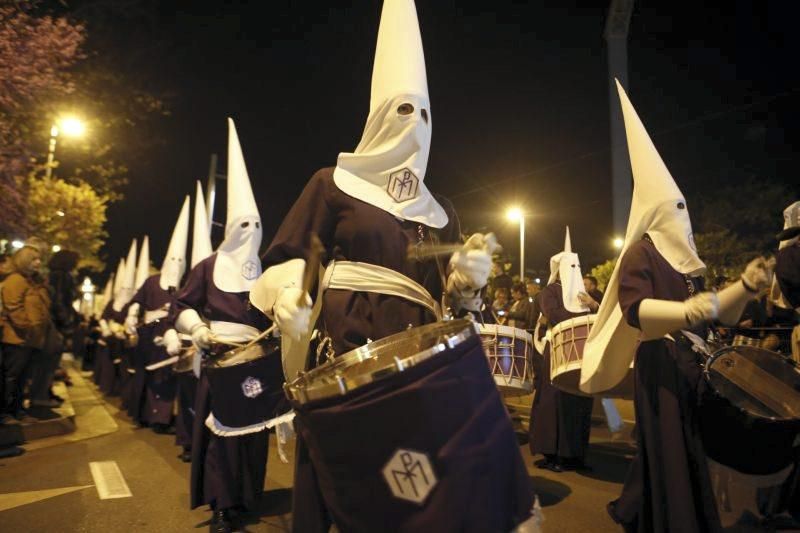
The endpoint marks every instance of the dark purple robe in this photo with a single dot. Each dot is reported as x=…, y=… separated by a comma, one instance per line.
x=353, y=230
x=152, y=393
x=109, y=377
x=226, y=471
x=787, y=272
x=668, y=487
x=560, y=421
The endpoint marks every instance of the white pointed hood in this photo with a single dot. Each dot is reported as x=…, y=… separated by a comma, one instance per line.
x=118, y=278
x=238, y=266
x=127, y=290
x=387, y=168
x=791, y=219
x=658, y=209
x=143, y=267
x=105, y=298
x=201, y=233
x=566, y=267
x=175, y=260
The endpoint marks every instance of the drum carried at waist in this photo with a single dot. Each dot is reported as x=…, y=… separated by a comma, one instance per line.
x=750, y=409
x=246, y=384
x=434, y=425
x=510, y=354
x=567, y=341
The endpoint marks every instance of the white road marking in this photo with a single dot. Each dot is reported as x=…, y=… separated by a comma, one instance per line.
x=109, y=480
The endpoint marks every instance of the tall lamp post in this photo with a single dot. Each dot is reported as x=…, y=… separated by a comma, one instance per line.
x=71, y=127
x=515, y=214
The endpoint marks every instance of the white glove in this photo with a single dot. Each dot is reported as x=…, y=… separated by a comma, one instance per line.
x=659, y=317
x=470, y=266
x=293, y=320
x=130, y=324
x=201, y=337
x=105, y=330
x=172, y=342
x=757, y=274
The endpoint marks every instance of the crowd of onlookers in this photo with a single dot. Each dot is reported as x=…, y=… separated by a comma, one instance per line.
x=37, y=322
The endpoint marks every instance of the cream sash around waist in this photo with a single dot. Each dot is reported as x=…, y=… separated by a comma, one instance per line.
x=233, y=331
x=366, y=277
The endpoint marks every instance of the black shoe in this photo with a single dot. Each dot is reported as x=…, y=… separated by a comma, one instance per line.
x=185, y=456
x=220, y=522
x=163, y=429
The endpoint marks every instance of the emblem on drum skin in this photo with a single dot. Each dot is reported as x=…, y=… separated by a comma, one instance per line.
x=409, y=475
x=403, y=185
x=250, y=270
x=251, y=387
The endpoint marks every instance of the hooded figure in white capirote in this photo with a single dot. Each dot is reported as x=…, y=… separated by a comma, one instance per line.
x=174, y=265
x=201, y=232
x=127, y=281
x=387, y=168
x=566, y=267
x=655, y=309
x=238, y=265
x=143, y=266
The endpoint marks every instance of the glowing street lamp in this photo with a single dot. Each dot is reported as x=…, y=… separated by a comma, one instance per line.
x=515, y=214
x=69, y=126
x=618, y=242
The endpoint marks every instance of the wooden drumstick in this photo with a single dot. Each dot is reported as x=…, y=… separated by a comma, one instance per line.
x=312, y=267
x=420, y=252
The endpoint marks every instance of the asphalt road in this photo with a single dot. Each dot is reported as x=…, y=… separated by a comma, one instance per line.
x=52, y=489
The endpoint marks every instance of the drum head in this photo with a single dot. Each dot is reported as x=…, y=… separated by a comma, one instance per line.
x=760, y=382
x=378, y=359
x=240, y=356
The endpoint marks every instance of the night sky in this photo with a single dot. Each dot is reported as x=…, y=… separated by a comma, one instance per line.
x=519, y=101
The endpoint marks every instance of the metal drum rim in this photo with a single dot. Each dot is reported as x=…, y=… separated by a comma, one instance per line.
x=725, y=349
x=303, y=390
x=266, y=347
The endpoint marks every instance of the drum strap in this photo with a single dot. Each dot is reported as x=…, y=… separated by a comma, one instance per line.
x=366, y=277
x=152, y=316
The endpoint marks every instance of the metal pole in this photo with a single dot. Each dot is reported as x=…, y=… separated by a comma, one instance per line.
x=616, y=36
x=211, y=191
x=51, y=152
x=522, y=248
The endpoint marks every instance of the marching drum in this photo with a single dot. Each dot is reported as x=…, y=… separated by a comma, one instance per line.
x=440, y=453
x=510, y=354
x=255, y=372
x=185, y=360
x=750, y=409
x=568, y=338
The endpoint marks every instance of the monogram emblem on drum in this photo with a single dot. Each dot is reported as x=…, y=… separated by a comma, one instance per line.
x=251, y=387
x=403, y=185
x=250, y=270
x=409, y=475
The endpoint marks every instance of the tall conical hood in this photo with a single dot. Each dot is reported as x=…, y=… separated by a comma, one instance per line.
x=128, y=280
x=565, y=266
x=108, y=293
x=241, y=202
x=399, y=66
x=201, y=233
x=238, y=265
x=143, y=268
x=118, y=278
x=787, y=237
x=658, y=209
x=387, y=168
x=175, y=259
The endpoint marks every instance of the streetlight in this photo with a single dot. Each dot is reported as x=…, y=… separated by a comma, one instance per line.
x=618, y=242
x=69, y=126
x=515, y=214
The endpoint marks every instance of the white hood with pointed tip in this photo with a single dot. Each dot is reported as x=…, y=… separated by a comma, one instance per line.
x=174, y=264
x=143, y=266
x=127, y=289
x=387, y=168
x=201, y=233
x=238, y=265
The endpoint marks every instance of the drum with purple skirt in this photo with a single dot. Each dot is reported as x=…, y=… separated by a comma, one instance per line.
x=510, y=354
x=410, y=432
x=246, y=384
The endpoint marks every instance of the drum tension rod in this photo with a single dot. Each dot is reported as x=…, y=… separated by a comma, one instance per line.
x=342, y=384
x=399, y=364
